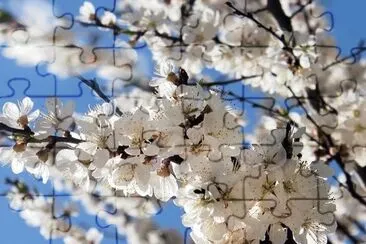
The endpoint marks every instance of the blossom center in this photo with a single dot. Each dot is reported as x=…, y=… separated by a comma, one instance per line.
x=23, y=120
x=356, y=113
x=127, y=172
x=163, y=171
x=288, y=186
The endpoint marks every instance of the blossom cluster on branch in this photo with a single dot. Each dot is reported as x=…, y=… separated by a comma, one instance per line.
x=58, y=222
x=190, y=148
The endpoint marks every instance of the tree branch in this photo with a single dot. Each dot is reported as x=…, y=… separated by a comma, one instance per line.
x=346, y=232
x=275, y=8
x=349, y=182
x=227, y=82
x=301, y=9
x=260, y=25
x=24, y=132
x=28, y=134
x=95, y=87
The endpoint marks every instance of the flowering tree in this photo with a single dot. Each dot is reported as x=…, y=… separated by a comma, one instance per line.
x=177, y=138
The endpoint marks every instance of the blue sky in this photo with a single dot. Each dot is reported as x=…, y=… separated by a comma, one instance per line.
x=15, y=82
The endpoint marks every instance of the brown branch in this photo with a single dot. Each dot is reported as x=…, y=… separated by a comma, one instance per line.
x=28, y=134
x=166, y=36
x=301, y=9
x=275, y=8
x=344, y=229
x=24, y=132
x=349, y=182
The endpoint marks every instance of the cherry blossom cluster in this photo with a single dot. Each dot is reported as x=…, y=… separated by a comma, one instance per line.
x=222, y=36
x=350, y=213
x=188, y=145
x=271, y=193
x=265, y=45
x=32, y=39
x=38, y=211
x=55, y=222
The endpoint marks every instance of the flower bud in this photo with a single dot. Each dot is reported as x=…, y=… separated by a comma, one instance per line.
x=43, y=155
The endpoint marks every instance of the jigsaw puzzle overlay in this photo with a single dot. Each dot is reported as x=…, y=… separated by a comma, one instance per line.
x=250, y=129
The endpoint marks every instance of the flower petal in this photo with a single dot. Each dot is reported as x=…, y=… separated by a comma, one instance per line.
x=45, y=174
x=277, y=234
x=34, y=115
x=68, y=109
x=157, y=81
x=100, y=158
x=17, y=166
x=11, y=111
x=107, y=109
x=87, y=8
x=6, y=155
x=26, y=106
x=166, y=188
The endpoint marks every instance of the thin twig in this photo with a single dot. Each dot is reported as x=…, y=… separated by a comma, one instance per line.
x=349, y=182
x=346, y=232
x=275, y=8
x=260, y=25
x=301, y=9
x=28, y=134
x=95, y=87
x=226, y=82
